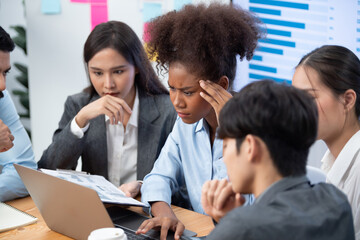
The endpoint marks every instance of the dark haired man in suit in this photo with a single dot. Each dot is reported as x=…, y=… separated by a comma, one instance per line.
x=267, y=129
x=15, y=145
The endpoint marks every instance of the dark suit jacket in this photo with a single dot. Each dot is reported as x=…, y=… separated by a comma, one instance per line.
x=156, y=119
x=291, y=209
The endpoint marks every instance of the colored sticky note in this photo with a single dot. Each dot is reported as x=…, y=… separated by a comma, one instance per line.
x=178, y=4
x=99, y=11
x=50, y=6
x=80, y=1
x=151, y=10
x=153, y=59
x=146, y=36
x=99, y=14
x=98, y=1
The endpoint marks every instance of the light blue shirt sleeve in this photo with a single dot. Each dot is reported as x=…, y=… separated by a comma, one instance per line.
x=166, y=174
x=187, y=159
x=11, y=185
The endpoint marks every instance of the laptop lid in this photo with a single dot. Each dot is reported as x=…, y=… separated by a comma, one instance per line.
x=67, y=208
x=74, y=210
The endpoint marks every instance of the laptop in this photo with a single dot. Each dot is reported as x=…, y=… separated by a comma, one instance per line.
x=75, y=211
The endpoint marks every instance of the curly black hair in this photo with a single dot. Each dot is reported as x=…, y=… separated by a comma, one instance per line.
x=205, y=39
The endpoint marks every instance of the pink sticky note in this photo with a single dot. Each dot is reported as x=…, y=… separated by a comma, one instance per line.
x=80, y=1
x=98, y=1
x=146, y=36
x=99, y=14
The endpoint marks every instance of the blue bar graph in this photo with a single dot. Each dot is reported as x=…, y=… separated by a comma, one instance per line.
x=265, y=11
x=262, y=68
x=302, y=6
x=270, y=50
x=293, y=28
x=278, y=32
x=258, y=77
x=283, y=23
x=278, y=42
x=257, y=58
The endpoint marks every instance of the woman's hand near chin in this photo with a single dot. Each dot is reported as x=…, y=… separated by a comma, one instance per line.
x=113, y=107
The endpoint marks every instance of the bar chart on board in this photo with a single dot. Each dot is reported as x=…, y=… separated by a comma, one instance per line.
x=294, y=28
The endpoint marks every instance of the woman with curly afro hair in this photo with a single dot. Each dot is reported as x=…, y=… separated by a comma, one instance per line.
x=198, y=46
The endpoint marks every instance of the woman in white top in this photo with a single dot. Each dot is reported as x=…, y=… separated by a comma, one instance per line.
x=331, y=74
x=118, y=124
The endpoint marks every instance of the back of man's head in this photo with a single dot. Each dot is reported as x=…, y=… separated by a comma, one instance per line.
x=6, y=43
x=284, y=117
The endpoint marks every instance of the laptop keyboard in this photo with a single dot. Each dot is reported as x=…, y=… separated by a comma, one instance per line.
x=132, y=236
x=130, y=221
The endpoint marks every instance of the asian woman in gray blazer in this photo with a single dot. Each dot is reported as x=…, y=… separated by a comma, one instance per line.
x=118, y=124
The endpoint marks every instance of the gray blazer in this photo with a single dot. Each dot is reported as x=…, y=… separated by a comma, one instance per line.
x=156, y=119
x=291, y=208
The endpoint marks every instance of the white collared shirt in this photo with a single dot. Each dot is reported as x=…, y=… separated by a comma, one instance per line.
x=121, y=146
x=344, y=173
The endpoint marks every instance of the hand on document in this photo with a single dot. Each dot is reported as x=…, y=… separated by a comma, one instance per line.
x=131, y=189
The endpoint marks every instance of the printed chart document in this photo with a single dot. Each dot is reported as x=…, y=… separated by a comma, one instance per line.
x=107, y=192
x=11, y=218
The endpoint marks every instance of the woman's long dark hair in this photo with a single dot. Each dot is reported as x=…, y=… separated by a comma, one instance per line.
x=120, y=37
x=338, y=68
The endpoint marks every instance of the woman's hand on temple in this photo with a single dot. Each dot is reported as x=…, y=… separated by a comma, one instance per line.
x=214, y=94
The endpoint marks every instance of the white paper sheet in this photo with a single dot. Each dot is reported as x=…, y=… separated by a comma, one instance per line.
x=107, y=192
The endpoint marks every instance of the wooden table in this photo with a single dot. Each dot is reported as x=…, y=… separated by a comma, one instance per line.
x=193, y=221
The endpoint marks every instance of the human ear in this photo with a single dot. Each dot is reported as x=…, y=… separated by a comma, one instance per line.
x=349, y=99
x=253, y=148
x=224, y=82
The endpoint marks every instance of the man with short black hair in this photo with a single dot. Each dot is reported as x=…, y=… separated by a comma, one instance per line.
x=15, y=145
x=267, y=129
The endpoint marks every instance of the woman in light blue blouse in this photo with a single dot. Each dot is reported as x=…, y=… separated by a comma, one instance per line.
x=198, y=45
